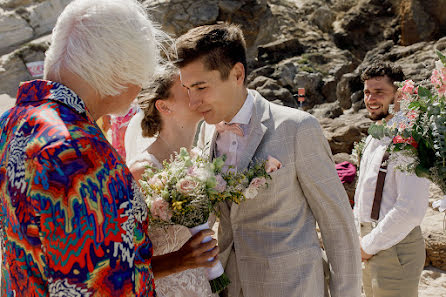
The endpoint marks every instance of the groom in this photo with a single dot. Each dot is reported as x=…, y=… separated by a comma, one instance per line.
x=269, y=245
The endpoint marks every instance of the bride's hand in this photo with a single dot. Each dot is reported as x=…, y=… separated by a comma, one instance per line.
x=195, y=254
x=191, y=255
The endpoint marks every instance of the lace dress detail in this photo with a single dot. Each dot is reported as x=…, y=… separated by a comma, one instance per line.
x=188, y=283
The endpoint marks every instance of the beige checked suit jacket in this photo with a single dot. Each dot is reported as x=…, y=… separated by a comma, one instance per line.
x=268, y=245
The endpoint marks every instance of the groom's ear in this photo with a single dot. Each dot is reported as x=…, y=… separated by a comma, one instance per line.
x=162, y=107
x=238, y=70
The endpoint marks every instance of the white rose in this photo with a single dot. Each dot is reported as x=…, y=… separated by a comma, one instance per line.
x=250, y=192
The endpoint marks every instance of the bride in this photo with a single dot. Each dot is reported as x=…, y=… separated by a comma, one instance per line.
x=167, y=120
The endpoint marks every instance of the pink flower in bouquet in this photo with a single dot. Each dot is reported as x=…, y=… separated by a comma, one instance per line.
x=408, y=87
x=221, y=184
x=410, y=140
x=438, y=79
x=258, y=182
x=192, y=170
x=435, y=78
x=156, y=182
x=186, y=185
x=160, y=209
x=272, y=164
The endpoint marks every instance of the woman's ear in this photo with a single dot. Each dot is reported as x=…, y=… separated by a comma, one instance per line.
x=162, y=107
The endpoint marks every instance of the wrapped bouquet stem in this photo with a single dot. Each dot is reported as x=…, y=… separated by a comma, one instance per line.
x=217, y=279
x=188, y=188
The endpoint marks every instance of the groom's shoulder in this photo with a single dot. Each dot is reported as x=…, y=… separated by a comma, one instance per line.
x=280, y=113
x=292, y=116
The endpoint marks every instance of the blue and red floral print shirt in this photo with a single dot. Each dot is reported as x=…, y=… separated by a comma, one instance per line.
x=73, y=222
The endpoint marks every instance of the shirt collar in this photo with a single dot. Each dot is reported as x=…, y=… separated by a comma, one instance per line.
x=244, y=114
x=38, y=90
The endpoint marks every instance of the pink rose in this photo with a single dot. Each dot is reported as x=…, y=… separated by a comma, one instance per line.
x=258, y=182
x=186, y=185
x=156, y=182
x=160, y=209
x=221, y=184
x=272, y=164
x=408, y=87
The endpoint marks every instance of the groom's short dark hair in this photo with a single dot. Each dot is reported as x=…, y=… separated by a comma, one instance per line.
x=220, y=46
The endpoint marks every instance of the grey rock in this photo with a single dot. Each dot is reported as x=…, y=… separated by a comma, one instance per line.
x=329, y=89
x=344, y=131
x=279, y=50
x=416, y=24
x=43, y=16
x=13, y=66
x=327, y=110
x=178, y=16
x=14, y=30
x=10, y=4
x=349, y=84
x=230, y=6
x=272, y=91
x=363, y=26
x=323, y=17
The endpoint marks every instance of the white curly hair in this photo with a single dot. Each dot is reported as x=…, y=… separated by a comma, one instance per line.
x=108, y=43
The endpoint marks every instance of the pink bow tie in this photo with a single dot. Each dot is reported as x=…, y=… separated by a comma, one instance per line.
x=231, y=127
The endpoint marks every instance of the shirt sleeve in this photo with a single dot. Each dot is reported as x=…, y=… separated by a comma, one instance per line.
x=92, y=240
x=407, y=212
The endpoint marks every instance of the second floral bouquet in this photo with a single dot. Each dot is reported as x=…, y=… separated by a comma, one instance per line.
x=188, y=188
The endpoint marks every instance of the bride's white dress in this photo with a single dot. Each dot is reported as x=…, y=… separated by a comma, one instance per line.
x=188, y=283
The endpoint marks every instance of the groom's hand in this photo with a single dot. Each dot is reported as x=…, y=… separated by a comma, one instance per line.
x=195, y=254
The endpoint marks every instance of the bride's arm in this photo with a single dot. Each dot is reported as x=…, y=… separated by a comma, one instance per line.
x=191, y=255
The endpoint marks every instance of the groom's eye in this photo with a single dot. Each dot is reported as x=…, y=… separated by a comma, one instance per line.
x=201, y=88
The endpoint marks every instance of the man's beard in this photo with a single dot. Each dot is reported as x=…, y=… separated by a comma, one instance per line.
x=378, y=117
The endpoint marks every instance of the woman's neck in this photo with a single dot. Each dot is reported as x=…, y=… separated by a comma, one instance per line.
x=171, y=138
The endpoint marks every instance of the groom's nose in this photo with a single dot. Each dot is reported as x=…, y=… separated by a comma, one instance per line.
x=194, y=101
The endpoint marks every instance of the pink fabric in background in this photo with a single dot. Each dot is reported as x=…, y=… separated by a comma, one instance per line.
x=119, y=126
x=346, y=171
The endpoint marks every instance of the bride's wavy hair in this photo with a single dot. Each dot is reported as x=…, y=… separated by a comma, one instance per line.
x=159, y=89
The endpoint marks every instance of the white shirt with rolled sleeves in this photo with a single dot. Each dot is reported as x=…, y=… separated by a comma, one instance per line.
x=404, y=202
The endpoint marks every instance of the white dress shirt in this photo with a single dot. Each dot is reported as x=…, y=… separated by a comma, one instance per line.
x=228, y=143
x=404, y=199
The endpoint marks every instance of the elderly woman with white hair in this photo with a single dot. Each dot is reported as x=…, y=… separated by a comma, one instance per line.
x=72, y=220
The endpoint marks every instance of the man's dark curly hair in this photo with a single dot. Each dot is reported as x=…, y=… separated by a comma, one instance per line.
x=394, y=73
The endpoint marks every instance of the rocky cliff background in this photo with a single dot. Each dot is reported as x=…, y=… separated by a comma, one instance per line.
x=319, y=45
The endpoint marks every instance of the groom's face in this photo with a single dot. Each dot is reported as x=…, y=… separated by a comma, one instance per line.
x=210, y=95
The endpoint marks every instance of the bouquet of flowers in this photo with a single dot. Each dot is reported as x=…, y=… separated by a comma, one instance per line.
x=188, y=188
x=419, y=129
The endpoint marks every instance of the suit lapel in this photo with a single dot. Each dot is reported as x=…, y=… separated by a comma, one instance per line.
x=260, y=113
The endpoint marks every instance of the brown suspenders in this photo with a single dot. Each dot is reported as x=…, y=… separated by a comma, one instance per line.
x=379, y=187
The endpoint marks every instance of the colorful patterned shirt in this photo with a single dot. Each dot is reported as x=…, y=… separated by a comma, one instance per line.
x=72, y=220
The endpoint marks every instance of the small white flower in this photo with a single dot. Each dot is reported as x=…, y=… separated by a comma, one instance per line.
x=250, y=192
